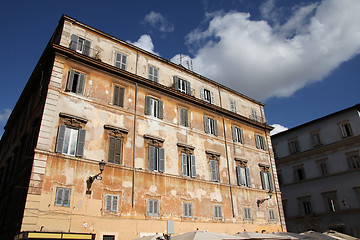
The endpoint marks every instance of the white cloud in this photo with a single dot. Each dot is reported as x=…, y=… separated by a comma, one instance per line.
x=262, y=61
x=156, y=20
x=4, y=114
x=145, y=43
x=277, y=129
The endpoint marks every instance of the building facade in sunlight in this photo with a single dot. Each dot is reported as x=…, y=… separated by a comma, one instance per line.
x=179, y=148
x=319, y=173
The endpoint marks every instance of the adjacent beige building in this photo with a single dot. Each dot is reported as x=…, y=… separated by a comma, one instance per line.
x=179, y=148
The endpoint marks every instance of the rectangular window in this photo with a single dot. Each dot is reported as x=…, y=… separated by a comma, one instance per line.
x=294, y=146
x=237, y=134
x=207, y=95
x=80, y=45
x=305, y=206
x=217, y=212
x=182, y=85
x=153, y=207
x=153, y=107
x=271, y=215
x=115, y=146
x=266, y=181
x=76, y=81
x=188, y=165
x=108, y=237
x=346, y=130
x=280, y=177
x=247, y=213
x=118, y=96
x=120, y=60
x=232, y=105
x=214, y=169
x=70, y=141
x=210, y=126
x=184, y=118
x=260, y=142
x=315, y=138
x=111, y=203
x=323, y=167
x=188, y=211
x=254, y=115
x=156, y=161
x=62, y=197
x=153, y=74
x=353, y=159
x=331, y=202
x=299, y=173
x=243, y=176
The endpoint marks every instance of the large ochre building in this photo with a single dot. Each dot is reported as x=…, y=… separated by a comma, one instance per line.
x=180, y=149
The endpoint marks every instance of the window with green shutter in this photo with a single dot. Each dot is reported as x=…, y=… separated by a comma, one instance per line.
x=115, y=149
x=156, y=158
x=153, y=107
x=70, y=141
x=184, y=118
x=214, y=169
x=210, y=125
x=76, y=82
x=243, y=176
x=237, y=134
x=118, y=98
x=188, y=163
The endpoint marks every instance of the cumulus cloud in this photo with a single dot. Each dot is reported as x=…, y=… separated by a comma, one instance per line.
x=277, y=129
x=262, y=61
x=4, y=115
x=145, y=43
x=158, y=21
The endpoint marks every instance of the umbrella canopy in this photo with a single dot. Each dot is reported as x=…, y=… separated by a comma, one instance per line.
x=253, y=235
x=201, y=235
x=338, y=235
x=152, y=237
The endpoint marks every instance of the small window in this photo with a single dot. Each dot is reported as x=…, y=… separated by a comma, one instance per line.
x=315, y=138
x=305, y=206
x=120, y=60
x=76, y=81
x=353, y=159
x=188, y=211
x=237, y=134
x=153, y=107
x=62, y=197
x=214, y=169
x=153, y=207
x=247, y=213
x=182, y=85
x=260, y=142
x=118, y=96
x=323, y=167
x=80, y=45
x=70, y=141
x=153, y=74
x=188, y=165
x=271, y=215
x=115, y=148
x=331, y=201
x=111, y=203
x=156, y=160
x=108, y=237
x=184, y=118
x=254, y=115
x=293, y=146
x=210, y=126
x=233, y=105
x=346, y=130
x=243, y=176
x=266, y=180
x=217, y=212
x=299, y=173
x=207, y=95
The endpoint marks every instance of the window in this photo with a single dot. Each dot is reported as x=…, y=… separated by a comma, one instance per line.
x=75, y=82
x=115, y=146
x=182, y=85
x=118, y=96
x=323, y=167
x=357, y=192
x=331, y=202
x=299, y=173
x=80, y=45
x=346, y=130
x=271, y=215
x=120, y=61
x=188, y=165
x=210, y=126
x=293, y=146
x=70, y=141
x=214, y=169
x=62, y=197
x=237, y=134
x=232, y=105
x=156, y=161
x=315, y=138
x=153, y=207
x=260, y=142
x=217, y=212
x=207, y=95
x=153, y=107
x=285, y=208
x=353, y=159
x=266, y=180
x=184, y=118
x=247, y=213
x=254, y=115
x=153, y=74
x=111, y=203
x=188, y=210
x=243, y=176
x=108, y=237
x=305, y=206
x=280, y=177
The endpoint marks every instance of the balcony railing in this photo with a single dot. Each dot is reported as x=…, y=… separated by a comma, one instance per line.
x=84, y=49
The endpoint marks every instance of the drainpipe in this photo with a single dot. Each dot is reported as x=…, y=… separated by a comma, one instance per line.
x=134, y=136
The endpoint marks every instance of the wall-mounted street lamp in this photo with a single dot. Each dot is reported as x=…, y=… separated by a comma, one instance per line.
x=91, y=179
x=260, y=201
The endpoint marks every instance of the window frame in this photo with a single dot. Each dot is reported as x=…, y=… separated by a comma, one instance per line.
x=122, y=62
x=237, y=134
x=119, y=95
x=218, y=212
x=151, y=207
x=210, y=125
x=184, y=118
x=182, y=85
x=260, y=142
x=346, y=129
x=188, y=165
x=294, y=146
x=232, y=104
x=243, y=176
x=247, y=213
x=112, y=197
x=76, y=84
x=154, y=107
x=299, y=173
x=153, y=73
x=305, y=206
x=62, y=202
x=353, y=159
x=156, y=158
x=331, y=201
x=187, y=210
x=79, y=143
x=115, y=155
x=214, y=170
x=266, y=180
x=272, y=215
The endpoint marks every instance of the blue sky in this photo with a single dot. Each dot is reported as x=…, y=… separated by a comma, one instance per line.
x=301, y=58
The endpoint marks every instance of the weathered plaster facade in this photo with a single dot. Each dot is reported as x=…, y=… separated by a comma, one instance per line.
x=131, y=179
